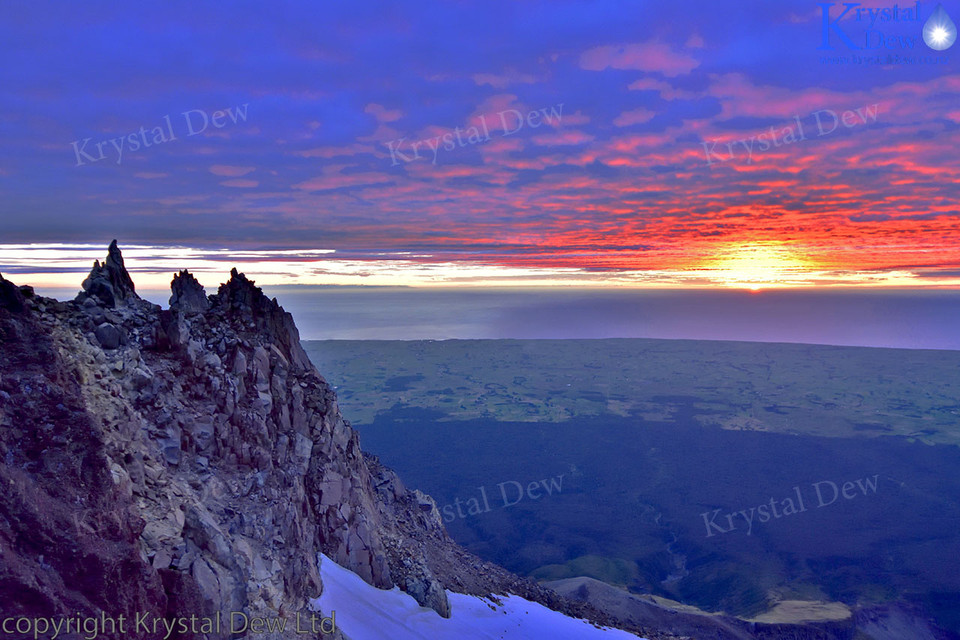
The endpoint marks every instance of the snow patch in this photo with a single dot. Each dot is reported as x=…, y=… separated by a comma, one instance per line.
x=364, y=612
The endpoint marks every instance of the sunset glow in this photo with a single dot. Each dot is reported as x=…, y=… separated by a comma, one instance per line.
x=754, y=267
x=759, y=267
x=690, y=149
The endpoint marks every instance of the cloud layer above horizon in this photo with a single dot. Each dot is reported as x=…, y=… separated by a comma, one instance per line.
x=597, y=143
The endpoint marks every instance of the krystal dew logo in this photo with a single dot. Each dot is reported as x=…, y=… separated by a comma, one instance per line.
x=939, y=31
x=884, y=29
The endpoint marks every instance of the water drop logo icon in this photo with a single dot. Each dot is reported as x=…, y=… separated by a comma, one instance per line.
x=939, y=31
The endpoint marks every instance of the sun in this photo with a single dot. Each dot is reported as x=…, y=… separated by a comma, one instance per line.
x=758, y=266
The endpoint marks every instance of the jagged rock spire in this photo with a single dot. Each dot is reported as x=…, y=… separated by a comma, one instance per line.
x=109, y=283
x=241, y=299
x=188, y=296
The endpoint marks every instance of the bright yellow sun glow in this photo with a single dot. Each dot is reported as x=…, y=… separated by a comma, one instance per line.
x=758, y=266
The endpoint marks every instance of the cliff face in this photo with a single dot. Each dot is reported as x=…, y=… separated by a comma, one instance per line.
x=190, y=461
x=68, y=532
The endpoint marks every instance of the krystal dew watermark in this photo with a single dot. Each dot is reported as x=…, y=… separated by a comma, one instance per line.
x=504, y=123
x=195, y=121
x=510, y=492
x=826, y=493
x=147, y=626
x=888, y=59
x=885, y=28
x=826, y=121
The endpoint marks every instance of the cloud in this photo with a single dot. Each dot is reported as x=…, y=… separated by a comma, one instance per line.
x=382, y=114
x=334, y=178
x=635, y=116
x=504, y=80
x=652, y=57
x=663, y=88
x=565, y=137
x=334, y=151
x=242, y=184
x=230, y=171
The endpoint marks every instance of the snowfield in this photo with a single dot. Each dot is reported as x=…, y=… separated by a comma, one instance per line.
x=364, y=612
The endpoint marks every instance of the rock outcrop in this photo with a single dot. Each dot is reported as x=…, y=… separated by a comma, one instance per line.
x=188, y=295
x=192, y=461
x=109, y=283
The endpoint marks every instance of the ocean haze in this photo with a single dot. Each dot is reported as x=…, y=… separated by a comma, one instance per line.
x=892, y=318
x=896, y=318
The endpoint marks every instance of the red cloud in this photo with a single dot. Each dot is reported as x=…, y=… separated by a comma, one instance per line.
x=563, y=138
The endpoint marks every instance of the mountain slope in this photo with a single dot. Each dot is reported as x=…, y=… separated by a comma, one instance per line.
x=192, y=461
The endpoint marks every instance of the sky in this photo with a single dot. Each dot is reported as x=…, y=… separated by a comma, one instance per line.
x=736, y=144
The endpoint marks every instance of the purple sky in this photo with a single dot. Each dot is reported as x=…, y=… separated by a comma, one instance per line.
x=346, y=128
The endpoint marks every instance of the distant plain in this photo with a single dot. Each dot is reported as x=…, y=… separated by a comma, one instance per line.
x=650, y=435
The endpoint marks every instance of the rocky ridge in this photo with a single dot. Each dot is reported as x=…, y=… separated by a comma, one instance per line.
x=191, y=460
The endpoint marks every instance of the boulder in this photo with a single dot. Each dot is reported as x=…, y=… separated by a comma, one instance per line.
x=108, y=336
